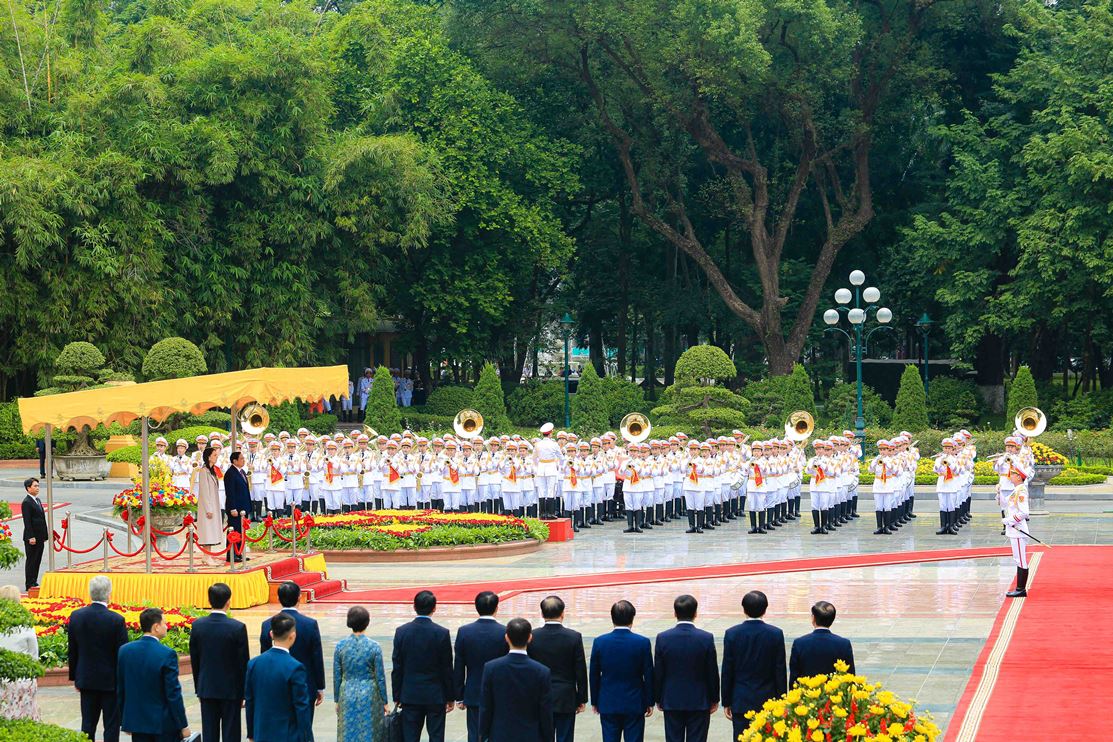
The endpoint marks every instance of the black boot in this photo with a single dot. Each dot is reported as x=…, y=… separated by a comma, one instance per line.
x=817, y=529
x=854, y=507
x=708, y=519
x=911, y=505
x=880, y=516
x=782, y=513
x=692, y=523
x=630, y=527
x=944, y=524
x=1021, y=590
x=717, y=513
x=658, y=513
x=699, y=519
x=639, y=519
x=576, y=521
x=584, y=520
x=597, y=515
x=953, y=525
x=645, y=518
x=826, y=520
x=887, y=520
x=763, y=521
x=753, y=523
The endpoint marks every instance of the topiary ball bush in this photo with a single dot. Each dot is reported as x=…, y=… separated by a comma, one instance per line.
x=703, y=362
x=79, y=359
x=173, y=358
x=448, y=400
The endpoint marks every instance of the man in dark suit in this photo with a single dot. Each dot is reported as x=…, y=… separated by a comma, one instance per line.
x=753, y=662
x=218, y=653
x=237, y=499
x=147, y=686
x=306, y=648
x=95, y=637
x=35, y=534
x=421, y=673
x=621, y=677
x=817, y=652
x=276, y=689
x=476, y=644
x=517, y=693
x=562, y=651
x=686, y=675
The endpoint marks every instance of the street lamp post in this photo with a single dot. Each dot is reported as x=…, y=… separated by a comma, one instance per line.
x=566, y=328
x=857, y=316
x=924, y=326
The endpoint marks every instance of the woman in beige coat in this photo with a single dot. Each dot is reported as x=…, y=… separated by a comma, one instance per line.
x=210, y=523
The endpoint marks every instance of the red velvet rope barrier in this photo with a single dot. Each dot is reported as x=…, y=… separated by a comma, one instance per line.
x=112, y=546
x=59, y=546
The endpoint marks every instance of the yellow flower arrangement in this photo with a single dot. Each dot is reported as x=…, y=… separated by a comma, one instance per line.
x=836, y=707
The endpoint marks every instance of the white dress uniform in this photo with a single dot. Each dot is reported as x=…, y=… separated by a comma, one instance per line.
x=469, y=481
x=257, y=471
x=1015, y=520
x=695, y=468
x=180, y=469
x=548, y=462
x=452, y=479
x=822, y=487
x=276, y=484
x=314, y=465
x=331, y=474
x=948, y=467
x=392, y=479
x=885, y=483
x=297, y=494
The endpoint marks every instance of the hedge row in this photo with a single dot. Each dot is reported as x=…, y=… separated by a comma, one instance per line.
x=22, y=730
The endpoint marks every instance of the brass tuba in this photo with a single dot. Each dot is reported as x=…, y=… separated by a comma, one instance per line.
x=468, y=423
x=635, y=427
x=1030, y=421
x=254, y=419
x=799, y=426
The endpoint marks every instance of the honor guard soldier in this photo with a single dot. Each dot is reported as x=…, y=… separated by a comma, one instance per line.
x=884, y=485
x=946, y=487
x=257, y=471
x=297, y=494
x=1015, y=520
x=822, y=486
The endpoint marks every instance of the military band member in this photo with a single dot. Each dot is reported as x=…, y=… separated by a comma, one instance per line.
x=948, y=468
x=297, y=495
x=315, y=475
x=392, y=478
x=180, y=465
x=332, y=487
x=405, y=463
x=884, y=485
x=275, y=480
x=822, y=487
x=257, y=471
x=1015, y=520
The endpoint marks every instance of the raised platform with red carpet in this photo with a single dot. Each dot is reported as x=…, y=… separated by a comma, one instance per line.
x=1046, y=672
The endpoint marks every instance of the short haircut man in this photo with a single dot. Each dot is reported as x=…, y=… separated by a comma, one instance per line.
x=685, y=607
x=29, y=481
x=486, y=603
x=100, y=589
x=281, y=626
x=518, y=631
x=824, y=614
x=236, y=457
x=552, y=608
x=425, y=602
x=149, y=618
x=219, y=596
x=289, y=593
x=622, y=613
x=755, y=604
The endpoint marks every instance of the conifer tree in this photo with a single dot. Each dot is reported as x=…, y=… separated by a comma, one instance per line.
x=911, y=408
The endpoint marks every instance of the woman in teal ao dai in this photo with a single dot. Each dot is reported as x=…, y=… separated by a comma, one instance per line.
x=359, y=683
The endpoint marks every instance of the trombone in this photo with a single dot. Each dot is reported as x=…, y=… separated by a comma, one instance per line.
x=468, y=423
x=635, y=427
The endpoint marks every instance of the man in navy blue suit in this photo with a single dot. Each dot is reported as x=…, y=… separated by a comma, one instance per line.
x=686, y=674
x=237, y=500
x=753, y=662
x=516, y=693
x=621, y=677
x=218, y=653
x=147, y=687
x=306, y=648
x=561, y=649
x=476, y=644
x=95, y=637
x=421, y=672
x=817, y=652
x=276, y=690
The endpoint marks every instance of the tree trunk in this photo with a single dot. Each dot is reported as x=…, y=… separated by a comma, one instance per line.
x=625, y=227
x=595, y=347
x=421, y=361
x=650, y=359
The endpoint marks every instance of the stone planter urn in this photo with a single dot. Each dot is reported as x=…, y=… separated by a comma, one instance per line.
x=167, y=522
x=1044, y=474
x=83, y=461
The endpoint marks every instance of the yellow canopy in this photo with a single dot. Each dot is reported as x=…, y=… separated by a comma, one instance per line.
x=158, y=399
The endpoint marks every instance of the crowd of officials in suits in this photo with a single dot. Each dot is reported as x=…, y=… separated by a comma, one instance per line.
x=515, y=683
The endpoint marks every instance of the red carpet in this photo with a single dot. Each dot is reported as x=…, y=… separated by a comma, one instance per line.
x=1051, y=675
x=464, y=592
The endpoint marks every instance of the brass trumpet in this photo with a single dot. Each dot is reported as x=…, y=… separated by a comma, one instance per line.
x=468, y=423
x=799, y=426
x=635, y=427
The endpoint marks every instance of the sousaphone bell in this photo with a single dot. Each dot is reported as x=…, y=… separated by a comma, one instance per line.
x=1030, y=421
x=468, y=423
x=254, y=419
x=799, y=426
x=635, y=427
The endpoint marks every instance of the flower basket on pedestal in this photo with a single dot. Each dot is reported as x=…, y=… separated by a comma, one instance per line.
x=169, y=504
x=1049, y=464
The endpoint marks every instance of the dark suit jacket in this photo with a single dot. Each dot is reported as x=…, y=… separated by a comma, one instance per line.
x=517, y=704
x=421, y=671
x=95, y=637
x=753, y=666
x=476, y=644
x=562, y=651
x=148, y=693
x=276, y=699
x=621, y=673
x=815, y=654
x=218, y=651
x=686, y=669
x=34, y=521
x=236, y=494
x=306, y=650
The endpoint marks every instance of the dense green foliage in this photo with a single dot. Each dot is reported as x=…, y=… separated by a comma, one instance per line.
x=842, y=407
x=448, y=400
x=488, y=400
x=21, y=730
x=173, y=358
x=590, y=407
x=537, y=403
x=910, y=411
x=952, y=403
x=382, y=404
x=18, y=666
x=1022, y=393
x=13, y=616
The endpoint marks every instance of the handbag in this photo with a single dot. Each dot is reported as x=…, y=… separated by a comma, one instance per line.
x=393, y=726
